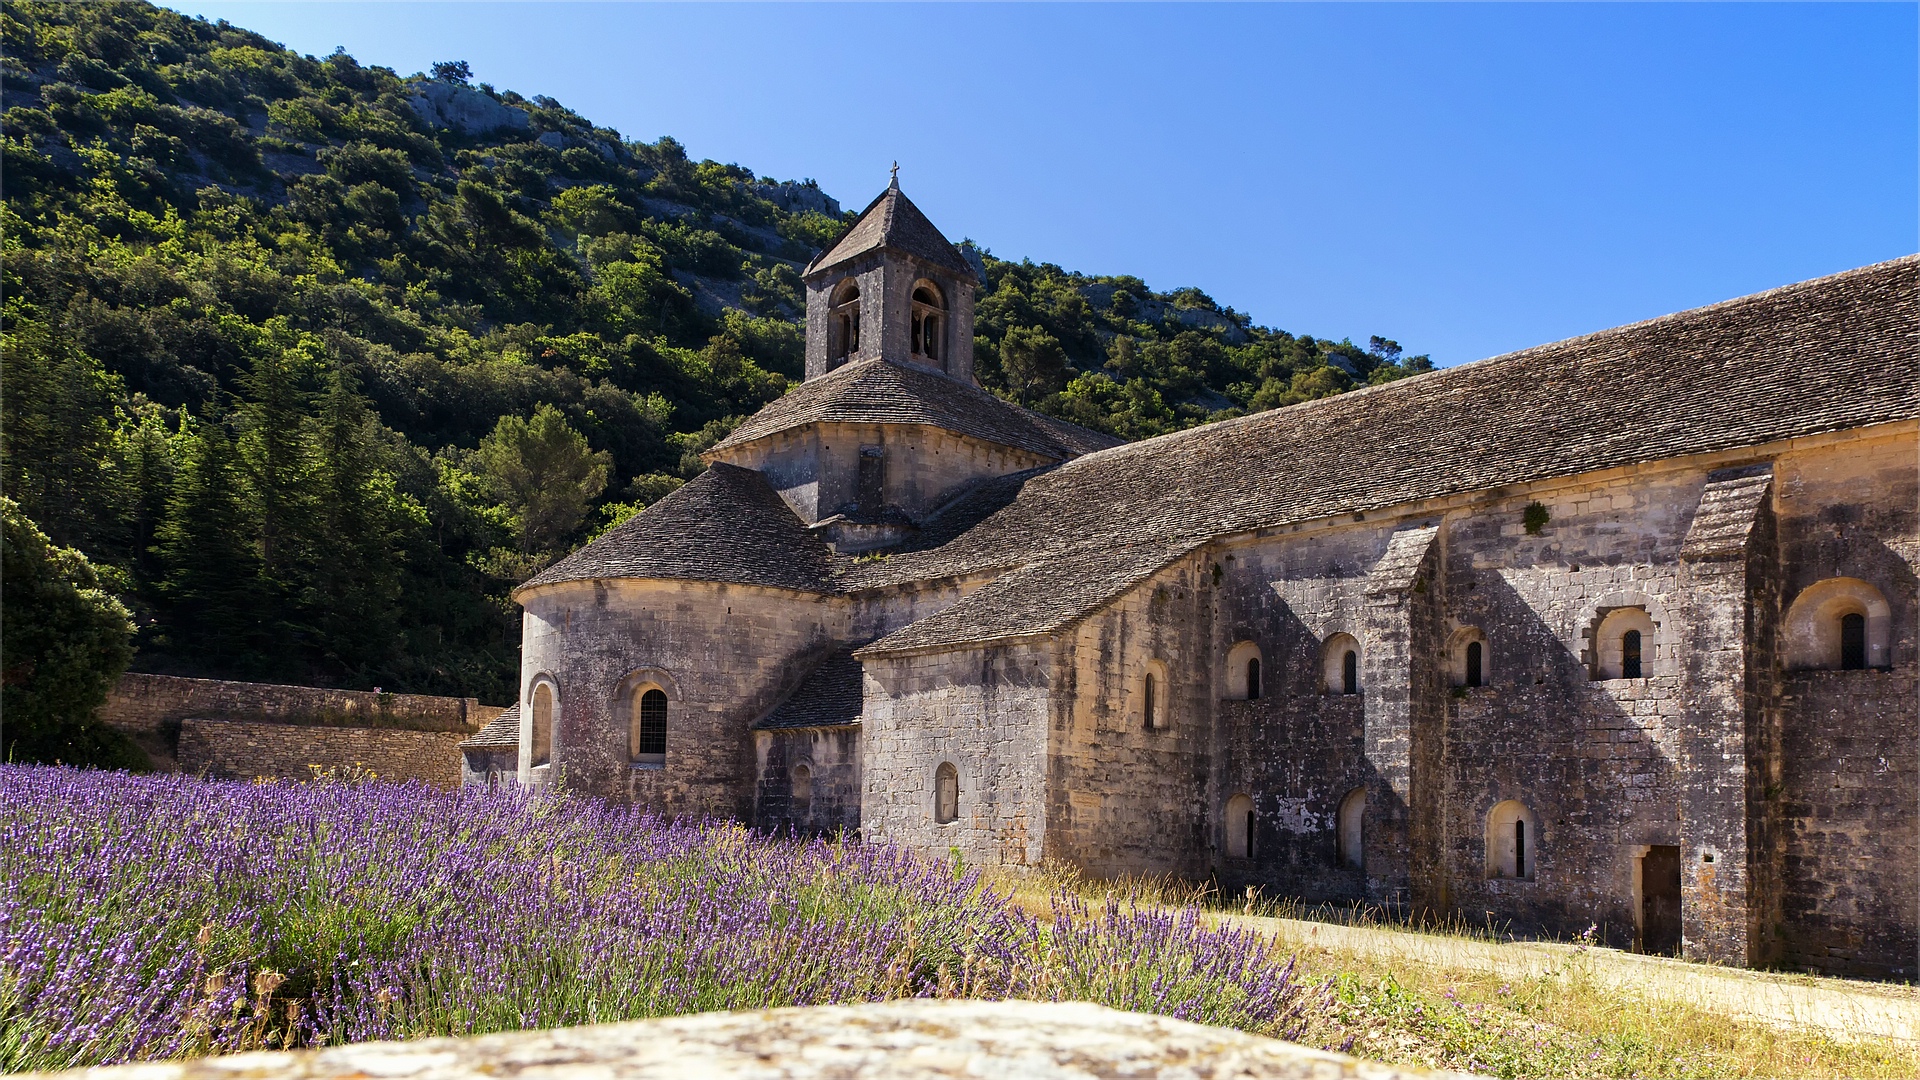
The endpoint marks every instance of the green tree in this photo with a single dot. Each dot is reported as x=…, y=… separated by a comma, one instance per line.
x=1033, y=362
x=56, y=431
x=545, y=473
x=359, y=519
x=65, y=642
x=212, y=575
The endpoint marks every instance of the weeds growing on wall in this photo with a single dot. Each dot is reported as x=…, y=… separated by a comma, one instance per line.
x=158, y=917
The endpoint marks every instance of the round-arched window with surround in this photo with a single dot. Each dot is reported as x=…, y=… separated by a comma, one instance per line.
x=927, y=337
x=644, y=700
x=1468, y=658
x=1340, y=661
x=1244, y=673
x=843, y=320
x=543, y=708
x=1513, y=841
x=1626, y=644
x=1240, y=827
x=946, y=794
x=1840, y=624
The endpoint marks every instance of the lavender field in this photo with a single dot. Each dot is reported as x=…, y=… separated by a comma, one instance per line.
x=157, y=917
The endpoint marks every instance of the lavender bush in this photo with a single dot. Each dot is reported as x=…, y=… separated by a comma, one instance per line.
x=156, y=917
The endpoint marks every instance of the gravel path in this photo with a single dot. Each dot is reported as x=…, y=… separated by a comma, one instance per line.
x=1846, y=1008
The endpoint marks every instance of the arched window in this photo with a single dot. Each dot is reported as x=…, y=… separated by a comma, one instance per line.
x=843, y=322
x=1513, y=841
x=1341, y=664
x=1243, y=671
x=946, y=793
x=542, y=723
x=647, y=731
x=1838, y=624
x=800, y=805
x=1351, y=824
x=1625, y=644
x=1153, y=696
x=928, y=339
x=1467, y=654
x=1853, y=641
x=1240, y=827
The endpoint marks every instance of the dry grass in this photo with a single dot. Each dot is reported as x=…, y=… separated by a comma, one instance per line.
x=1568, y=1018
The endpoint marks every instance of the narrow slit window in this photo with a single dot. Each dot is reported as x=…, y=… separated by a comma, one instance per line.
x=1473, y=663
x=1350, y=673
x=946, y=794
x=1853, y=642
x=1520, y=849
x=1630, y=655
x=1149, y=691
x=1253, y=680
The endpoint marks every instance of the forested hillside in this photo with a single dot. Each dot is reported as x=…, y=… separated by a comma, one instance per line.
x=314, y=361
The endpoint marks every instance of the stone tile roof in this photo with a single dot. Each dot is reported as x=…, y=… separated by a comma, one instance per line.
x=1041, y=598
x=830, y=696
x=1820, y=356
x=501, y=733
x=892, y=221
x=726, y=525
x=883, y=392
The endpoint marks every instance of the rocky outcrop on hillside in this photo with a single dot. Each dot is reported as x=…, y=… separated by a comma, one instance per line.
x=464, y=109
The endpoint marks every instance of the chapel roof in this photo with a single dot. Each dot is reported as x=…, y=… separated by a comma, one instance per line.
x=891, y=221
x=501, y=732
x=831, y=695
x=884, y=392
x=727, y=524
x=1824, y=355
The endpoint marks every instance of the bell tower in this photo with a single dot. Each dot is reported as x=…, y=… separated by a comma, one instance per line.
x=891, y=288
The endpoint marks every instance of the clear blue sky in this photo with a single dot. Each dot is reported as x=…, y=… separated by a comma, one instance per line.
x=1466, y=179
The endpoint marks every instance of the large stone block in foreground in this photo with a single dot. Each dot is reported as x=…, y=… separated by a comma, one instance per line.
x=899, y=1040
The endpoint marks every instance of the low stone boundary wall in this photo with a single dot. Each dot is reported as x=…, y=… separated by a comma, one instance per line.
x=237, y=750
x=145, y=701
x=896, y=1040
x=243, y=730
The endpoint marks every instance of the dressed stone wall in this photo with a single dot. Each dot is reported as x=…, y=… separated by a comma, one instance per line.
x=832, y=758
x=1126, y=799
x=816, y=469
x=1848, y=780
x=1702, y=753
x=984, y=711
x=723, y=654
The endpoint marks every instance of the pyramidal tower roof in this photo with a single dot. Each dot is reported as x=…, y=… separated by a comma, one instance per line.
x=892, y=222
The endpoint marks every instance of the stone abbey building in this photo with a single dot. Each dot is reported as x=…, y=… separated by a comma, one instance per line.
x=1617, y=630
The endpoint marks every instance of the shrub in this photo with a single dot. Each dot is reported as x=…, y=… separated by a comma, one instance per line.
x=66, y=642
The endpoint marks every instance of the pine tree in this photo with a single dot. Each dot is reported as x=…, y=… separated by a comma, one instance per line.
x=212, y=574
x=358, y=518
